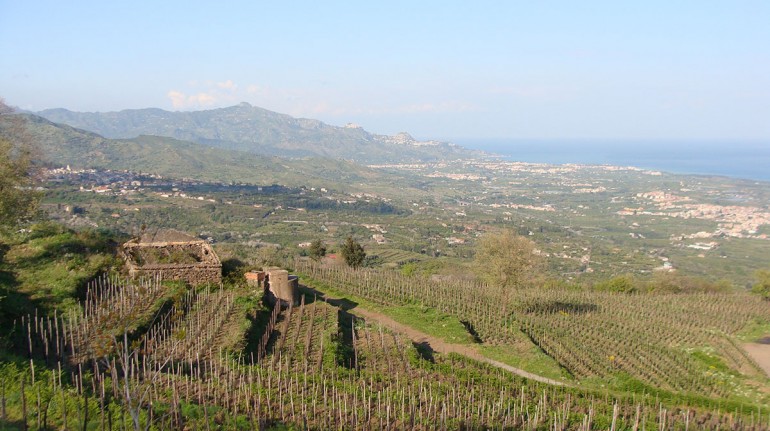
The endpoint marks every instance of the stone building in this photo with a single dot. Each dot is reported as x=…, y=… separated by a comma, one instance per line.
x=172, y=255
x=280, y=286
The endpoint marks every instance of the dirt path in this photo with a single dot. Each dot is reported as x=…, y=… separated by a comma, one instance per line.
x=435, y=343
x=760, y=352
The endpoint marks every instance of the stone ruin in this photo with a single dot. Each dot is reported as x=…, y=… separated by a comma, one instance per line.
x=280, y=286
x=172, y=255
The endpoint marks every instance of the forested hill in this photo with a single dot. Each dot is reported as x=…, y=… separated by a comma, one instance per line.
x=61, y=145
x=248, y=128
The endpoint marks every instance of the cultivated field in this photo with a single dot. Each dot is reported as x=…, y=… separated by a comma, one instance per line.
x=137, y=358
x=684, y=343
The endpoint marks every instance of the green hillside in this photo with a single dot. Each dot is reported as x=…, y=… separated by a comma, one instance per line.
x=247, y=128
x=65, y=145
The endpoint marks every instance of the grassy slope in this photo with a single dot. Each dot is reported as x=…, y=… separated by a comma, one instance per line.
x=46, y=271
x=50, y=266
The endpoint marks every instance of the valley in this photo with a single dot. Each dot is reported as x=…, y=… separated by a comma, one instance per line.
x=637, y=311
x=591, y=222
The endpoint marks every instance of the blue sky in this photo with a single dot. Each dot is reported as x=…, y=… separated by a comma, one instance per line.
x=681, y=70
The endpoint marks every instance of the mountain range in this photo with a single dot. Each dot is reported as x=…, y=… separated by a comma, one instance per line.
x=259, y=131
x=61, y=145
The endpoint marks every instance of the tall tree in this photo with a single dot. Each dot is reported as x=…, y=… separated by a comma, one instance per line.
x=353, y=252
x=506, y=260
x=17, y=199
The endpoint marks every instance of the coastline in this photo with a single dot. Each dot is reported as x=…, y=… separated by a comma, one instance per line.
x=743, y=160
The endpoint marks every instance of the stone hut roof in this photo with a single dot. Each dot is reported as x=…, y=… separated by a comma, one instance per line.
x=166, y=236
x=173, y=255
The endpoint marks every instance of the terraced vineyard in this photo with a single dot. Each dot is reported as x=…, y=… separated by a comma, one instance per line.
x=200, y=323
x=315, y=366
x=299, y=339
x=396, y=256
x=379, y=350
x=591, y=334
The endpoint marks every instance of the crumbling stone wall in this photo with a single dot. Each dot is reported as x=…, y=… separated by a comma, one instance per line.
x=173, y=256
x=191, y=274
x=171, y=253
x=255, y=279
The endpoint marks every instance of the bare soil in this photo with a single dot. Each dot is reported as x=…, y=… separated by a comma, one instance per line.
x=760, y=352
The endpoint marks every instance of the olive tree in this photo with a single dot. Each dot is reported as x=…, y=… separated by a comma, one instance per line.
x=506, y=260
x=762, y=286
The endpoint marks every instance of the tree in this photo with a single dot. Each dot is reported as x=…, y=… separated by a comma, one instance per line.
x=267, y=255
x=762, y=286
x=17, y=198
x=623, y=283
x=506, y=260
x=353, y=252
x=317, y=249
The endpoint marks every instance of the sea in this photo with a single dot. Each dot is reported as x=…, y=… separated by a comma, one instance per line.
x=745, y=160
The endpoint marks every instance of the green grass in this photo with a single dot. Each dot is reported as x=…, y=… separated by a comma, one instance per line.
x=424, y=319
x=755, y=330
x=49, y=267
x=430, y=321
x=529, y=358
x=713, y=362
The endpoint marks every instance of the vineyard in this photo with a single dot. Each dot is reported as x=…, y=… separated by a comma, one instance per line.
x=396, y=256
x=140, y=357
x=590, y=334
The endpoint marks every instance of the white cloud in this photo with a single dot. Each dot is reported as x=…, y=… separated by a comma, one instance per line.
x=252, y=89
x=212, y=94
x=227, y=85
x=178, y=99
x=203, y=99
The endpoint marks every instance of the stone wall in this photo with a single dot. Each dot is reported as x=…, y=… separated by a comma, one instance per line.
x=172, y=255
x=255, y=279
x=191, y=274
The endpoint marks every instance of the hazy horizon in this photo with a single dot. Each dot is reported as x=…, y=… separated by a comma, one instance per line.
x=731, y=158
x=470, y=141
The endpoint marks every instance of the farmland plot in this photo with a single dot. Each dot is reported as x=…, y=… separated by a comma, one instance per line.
x=319, y=368
x=658, y=340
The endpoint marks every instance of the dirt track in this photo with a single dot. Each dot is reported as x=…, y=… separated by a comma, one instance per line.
x=760, y=352
x=441, y=346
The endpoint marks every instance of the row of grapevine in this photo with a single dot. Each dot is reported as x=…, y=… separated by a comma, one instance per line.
x=174, y=373
x=589, y=333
